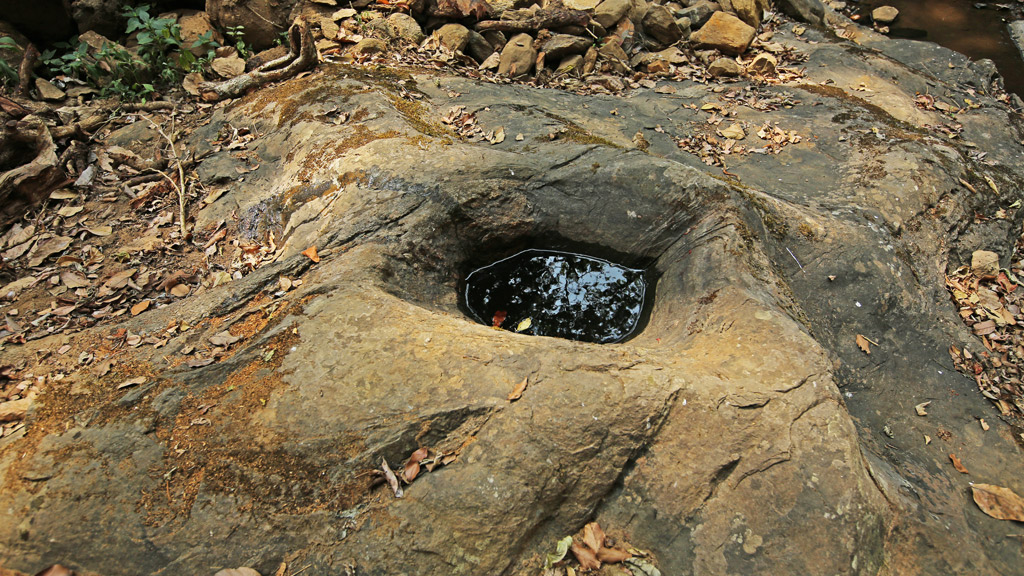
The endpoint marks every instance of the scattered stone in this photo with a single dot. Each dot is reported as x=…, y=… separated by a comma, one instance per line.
x=734, y=132
x=685, y=27
x=724, y=32
x=749, y=11
x=406, y=27
x=14, y=410
x=496, y=39
x=984, y=263
x=590, y=60
x=672, y=55
x=661, y=25
x=764, y=64
x=518, y=56
x=571, y=64
x=659, y=67
x=454, y=37
x=884, y=15
x=492, y=62
x=561, y=45
x=581, y=4
x=195, y=24
x=809, y=11
x=368, y=47
x=609, y=12
x=478, y=47
x=699, y=13
x=49, y=92
x=343, y=14
x=616, y=57
x=725, y=68
x=624, y=34
x=98, y=41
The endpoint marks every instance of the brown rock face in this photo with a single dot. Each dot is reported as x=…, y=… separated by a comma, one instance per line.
x=661, y=25
x=749, y=11
x=724, y=32
x=725, y=68
x=261, y=19
x=454, y=37
x=193, y=25
x=609, y=12
x=518, y=56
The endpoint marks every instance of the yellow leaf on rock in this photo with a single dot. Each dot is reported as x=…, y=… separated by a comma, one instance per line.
x=517, y=392
x=998, y=502
x=524, y=325
x=864, y=344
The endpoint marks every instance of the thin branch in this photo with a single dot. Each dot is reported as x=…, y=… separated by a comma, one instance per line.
x=180, y=189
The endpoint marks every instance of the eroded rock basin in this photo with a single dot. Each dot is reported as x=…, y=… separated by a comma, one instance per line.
x=741, y=432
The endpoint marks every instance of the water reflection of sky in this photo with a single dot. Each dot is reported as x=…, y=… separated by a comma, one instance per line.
x=563, y=294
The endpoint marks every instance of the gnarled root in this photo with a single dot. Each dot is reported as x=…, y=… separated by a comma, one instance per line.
x=27, y=185
x=301, y=56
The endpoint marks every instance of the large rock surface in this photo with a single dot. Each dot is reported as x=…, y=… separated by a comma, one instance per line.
x=742, y=432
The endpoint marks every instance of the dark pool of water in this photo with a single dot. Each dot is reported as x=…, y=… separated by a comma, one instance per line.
x=560, y=294
x=958, y=25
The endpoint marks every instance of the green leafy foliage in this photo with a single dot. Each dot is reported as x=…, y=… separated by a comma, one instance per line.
x=8, y=75
x=235, y=34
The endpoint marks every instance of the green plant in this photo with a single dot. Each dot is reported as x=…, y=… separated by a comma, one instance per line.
x=236, y=34
x=205, y=39
x=7, y=73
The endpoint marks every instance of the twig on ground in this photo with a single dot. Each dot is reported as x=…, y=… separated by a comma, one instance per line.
x=180, y=186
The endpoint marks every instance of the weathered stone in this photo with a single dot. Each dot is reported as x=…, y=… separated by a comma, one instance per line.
x=609, y=12
x=102, y=16
x=1017, y=35
x=672, y=55
x=571, y=64
x=561, y=45
x=763, y=64
x=658, y=67
x=809, y=11
x=368, y=47
x=262, y=21
x=14, y=409
x=195, y=24
x=97, y=42
x=518, y=56
x=590, y=60
x=725, y=68
x=406, y=27
x=478, y=47
x=496, y=39
x=637, y=11
x=724, y=32
x=47, y=91
x=749, y=11
x=624, y=34
x=581, y=4
x=661, y=25
x=615, y=58
x=684, y=25
x=454, y=37
x=884, y=15
x=984, y=263
x=698, y=13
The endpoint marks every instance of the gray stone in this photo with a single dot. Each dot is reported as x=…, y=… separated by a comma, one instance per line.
x=698, y=13
x=518, y=56
x=609, y=12
x=809, y=11
x=496, y=39
x=406, y=27
x=368, y=47
x=49, y=92
x=561, y=45
x=454, y=37
x=884, y=15
x=1017, y=34
x=661, y=25
x=725, y=68
x=478, y=47
x=572, y=64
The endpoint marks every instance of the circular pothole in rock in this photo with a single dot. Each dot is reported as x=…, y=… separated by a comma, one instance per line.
x=559, y=294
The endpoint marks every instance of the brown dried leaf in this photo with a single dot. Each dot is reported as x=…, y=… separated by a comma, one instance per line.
x=612, y=555
x=243, y=571
x=587, y=559
x=180, y=290
x=56, y=570
x=73, y=279
x=517, y=392
x=593, y=536
x=389, y=474
x=140, y=307
x=920, y=408
x=998, y=502
x=132, y=382
x=411, y=471
x=958, y=465
x=863, y=344
x=120, y=280
x=311, y=254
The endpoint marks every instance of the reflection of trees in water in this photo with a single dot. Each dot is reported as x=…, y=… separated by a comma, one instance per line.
x=565, y=295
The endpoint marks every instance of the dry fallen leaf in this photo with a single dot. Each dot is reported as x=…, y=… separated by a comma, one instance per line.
x=132, y=382
x=499, y=318
x=958, y=465
x=389, y=474
x=412, y=466
x=237, y=572
x=998, y=502
x=984, y=425
x=311, y=254
x=587, y=559
x=593, y=536
x=140, y=307
x=920, y=408
x=612, y=555
x=517, y=392
x=180, y=290
x=864, y=344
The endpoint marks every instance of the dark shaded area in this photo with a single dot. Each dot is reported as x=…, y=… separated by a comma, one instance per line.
x=564, y=295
